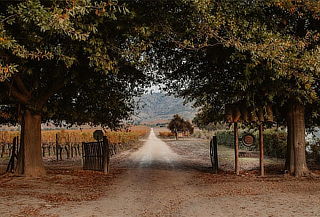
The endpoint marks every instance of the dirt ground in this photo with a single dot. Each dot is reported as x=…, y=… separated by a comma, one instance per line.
x=171, y=178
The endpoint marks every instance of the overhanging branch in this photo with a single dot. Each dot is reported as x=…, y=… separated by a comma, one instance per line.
x=14, y=93
x=52, y=89
x=21, y=86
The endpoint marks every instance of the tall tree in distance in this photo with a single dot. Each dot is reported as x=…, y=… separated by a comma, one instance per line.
x=179, y=125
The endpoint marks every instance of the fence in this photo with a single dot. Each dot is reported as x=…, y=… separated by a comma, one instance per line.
x=57, y=151
x=62, y=151
x=5, y=150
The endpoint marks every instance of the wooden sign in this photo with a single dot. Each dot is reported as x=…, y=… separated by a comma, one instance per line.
x=248, y=140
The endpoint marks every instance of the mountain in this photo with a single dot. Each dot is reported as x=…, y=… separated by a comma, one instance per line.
x=158, y=108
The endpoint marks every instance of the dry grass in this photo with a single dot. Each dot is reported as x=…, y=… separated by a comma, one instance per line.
x=166, y=134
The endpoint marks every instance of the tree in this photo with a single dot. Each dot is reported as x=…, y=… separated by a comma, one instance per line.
x=65, y=63
x=178, y=124
x=188, y=127
x=285, y=47
x=256, y=52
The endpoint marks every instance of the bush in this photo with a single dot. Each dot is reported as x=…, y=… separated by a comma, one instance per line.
x=166, y=134
x=313, y=151
x=197, y=134
x=275, y=143
x=225, y=137
x=203, y=134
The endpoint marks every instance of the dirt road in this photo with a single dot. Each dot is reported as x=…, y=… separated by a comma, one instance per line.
x=150, y=187
x=154, y=152
x=156, y=181
x=159, y=182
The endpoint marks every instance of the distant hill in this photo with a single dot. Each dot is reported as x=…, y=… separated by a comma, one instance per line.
x=159, y=108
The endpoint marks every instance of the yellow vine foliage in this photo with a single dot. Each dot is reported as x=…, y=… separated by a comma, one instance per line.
x=130, y=135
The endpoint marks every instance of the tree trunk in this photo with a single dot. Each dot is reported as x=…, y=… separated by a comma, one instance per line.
x=30, y=158
x=290, y=143
x=296, y=156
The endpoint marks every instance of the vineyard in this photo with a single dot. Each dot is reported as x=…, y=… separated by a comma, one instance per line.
x=66, y=144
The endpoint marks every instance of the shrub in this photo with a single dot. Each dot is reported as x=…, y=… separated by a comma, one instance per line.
x=313, y=150
x=275, y=143
x=225, y=137
x=166, y=134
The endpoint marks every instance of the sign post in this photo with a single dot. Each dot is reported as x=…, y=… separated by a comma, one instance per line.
x=239, y=111
x=214, y=154
x=261, y=147
x=236, y=148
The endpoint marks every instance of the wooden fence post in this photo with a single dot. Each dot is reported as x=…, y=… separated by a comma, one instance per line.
x=75, y=150
x=10, y=167
x=3, y=147
x=236, y=148
x=261, y=147
x=106, y=157
x=57, y=147
x=71, y=150
x=84, y=158
x=60, y=152
x=67, y=148
x=49, y=150
x=43, y=151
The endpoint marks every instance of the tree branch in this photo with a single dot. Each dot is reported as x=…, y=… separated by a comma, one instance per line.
x=8, y=17
x=21, y=86
x=13, y=92
x=43, y=98
x=194, y=47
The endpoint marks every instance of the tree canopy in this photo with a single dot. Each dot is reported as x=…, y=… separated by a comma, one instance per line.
x=77, y=43
x=78, y=60
x=251, y=52
x=179, y=125
x=66, y=61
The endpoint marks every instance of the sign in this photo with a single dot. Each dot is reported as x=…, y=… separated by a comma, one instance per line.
x=248, y=140
x=98, y=135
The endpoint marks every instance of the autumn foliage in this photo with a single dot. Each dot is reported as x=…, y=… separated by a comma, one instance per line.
x=130, y=135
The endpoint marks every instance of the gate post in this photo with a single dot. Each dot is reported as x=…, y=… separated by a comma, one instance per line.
x=84, y=157
x=215, y=145
x=236, y=148
x=214, y=154
x=106, y=155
